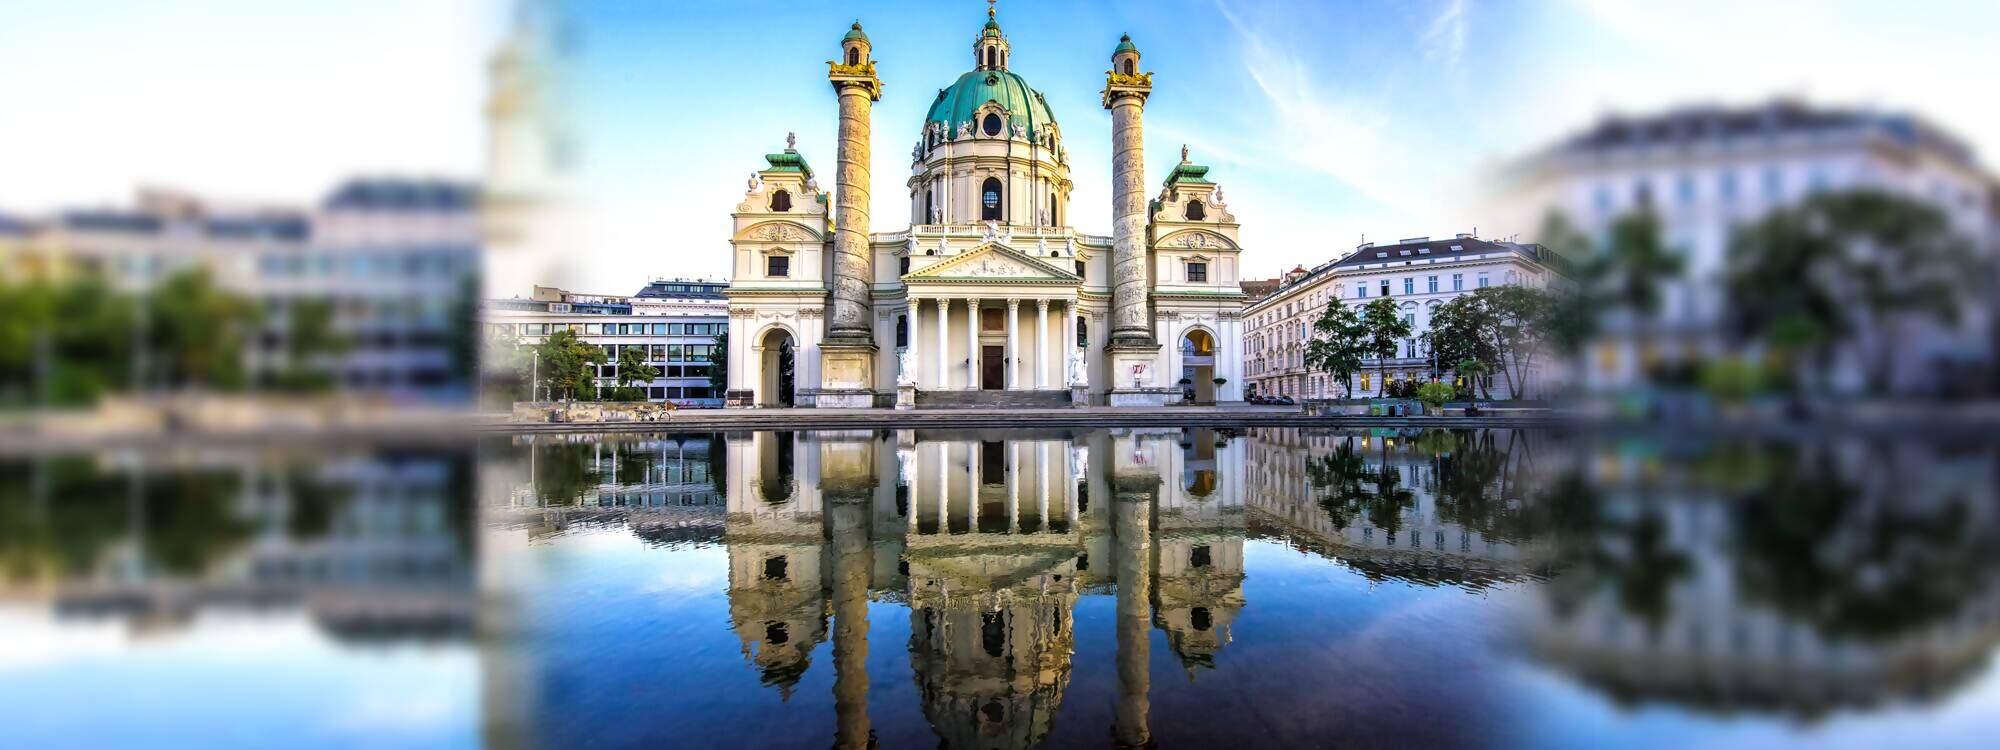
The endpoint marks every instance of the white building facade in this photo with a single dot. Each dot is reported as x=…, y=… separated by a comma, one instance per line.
x=674, y=322
x=1705, y=171
x=1419, y=273
x=990, y=297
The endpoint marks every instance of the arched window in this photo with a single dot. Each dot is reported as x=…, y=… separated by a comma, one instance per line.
x=781, y=201
x=1082, y=333
x=1053, y=219
x=853, y=55
x=990, y=196
x=1128, y=67
x=902, y=330
x=992, y=124
x=992, y=57
x=1196, y=211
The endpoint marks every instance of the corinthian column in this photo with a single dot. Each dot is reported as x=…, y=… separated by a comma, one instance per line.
x=854, y=81
x=1125, y=92
x=846, y=372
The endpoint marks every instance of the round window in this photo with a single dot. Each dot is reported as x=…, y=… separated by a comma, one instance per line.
x=992, y=126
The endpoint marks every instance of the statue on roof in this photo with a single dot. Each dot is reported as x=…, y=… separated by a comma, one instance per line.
x=1184, y=154
x=792, y=142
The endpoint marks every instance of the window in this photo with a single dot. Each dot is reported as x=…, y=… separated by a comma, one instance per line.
x=1079, y=269
x=1458, y=282
x=903, y=330
x=1433, y=282
x=1685, y=187
x=1361, y=289
x=853, y=55
x=1195, y=211
x=992, y=57
x=1364, y=381
x=903, y=266
x=1082, y=333
x=1127, y=68
x=1409, y=285
x=990, y=194
x=1774, y=183
x=1385, y=287
x=781, y=201
x=1053, y=218
x=777, y=266
x=1197, y=272
x=659, y=329
x=1483, y=280
x=991, y=124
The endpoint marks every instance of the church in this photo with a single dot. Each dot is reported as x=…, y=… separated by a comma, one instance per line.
x=990, y=298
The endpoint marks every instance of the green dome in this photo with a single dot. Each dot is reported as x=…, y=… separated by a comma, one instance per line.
x=854, y=34
x=961, y=101
x=1124, y=45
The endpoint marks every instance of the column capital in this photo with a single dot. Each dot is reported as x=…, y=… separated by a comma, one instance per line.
x=1042, y=305
x=1013, y=303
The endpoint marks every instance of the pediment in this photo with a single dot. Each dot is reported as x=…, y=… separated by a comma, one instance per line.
x=993, y=261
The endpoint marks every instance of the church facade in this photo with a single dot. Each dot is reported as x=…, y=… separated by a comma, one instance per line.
x=990, y=297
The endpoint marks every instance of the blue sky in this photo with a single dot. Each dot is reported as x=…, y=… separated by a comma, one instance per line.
x=1323, y=121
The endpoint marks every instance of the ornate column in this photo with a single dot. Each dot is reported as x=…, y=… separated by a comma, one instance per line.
x=847, y=353
x=1134, y=491
x=1013, y=344
x=1042, y=344
x=944, y=326
x=1133, y=349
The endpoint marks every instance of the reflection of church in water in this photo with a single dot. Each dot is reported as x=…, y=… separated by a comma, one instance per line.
x=990, y=544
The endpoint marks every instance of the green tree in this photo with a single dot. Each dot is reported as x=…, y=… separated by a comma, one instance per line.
x=1434, y=395
x=1462, y=330
x=1633, y=267
x=1474, y=372
x=718, y=365
x=1847, y=268
x=1383, y=329
x=633, y=368
x=312, y=342
x=1335, y=346
x=568, y=366
x=1520, y=318
x=198, y=330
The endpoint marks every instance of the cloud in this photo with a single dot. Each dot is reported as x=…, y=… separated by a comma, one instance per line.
x=1446, y=35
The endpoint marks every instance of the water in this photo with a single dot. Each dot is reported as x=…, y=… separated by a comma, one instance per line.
x=1255, y=587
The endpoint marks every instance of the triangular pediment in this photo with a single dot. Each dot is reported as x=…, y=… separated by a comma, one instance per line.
x=993, y=261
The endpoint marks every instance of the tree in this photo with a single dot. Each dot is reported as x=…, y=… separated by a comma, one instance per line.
x=1633, y=266
x=311, y=339
x=633, y=368
x=1520, y=318
x=1474, y=372
x=198, y=330
x=1462, y=330
x=1335, y=347
x=568, y=366
x=718, y=365
x=1383, y=328
x=1847, y=268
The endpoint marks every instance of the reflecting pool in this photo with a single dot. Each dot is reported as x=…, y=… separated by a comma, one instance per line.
x=1003, y=589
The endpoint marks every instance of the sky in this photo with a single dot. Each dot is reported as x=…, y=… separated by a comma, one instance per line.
x=1324, y=122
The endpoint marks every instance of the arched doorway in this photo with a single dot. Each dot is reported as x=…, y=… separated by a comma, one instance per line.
x=775, y=368
x=1198, y=367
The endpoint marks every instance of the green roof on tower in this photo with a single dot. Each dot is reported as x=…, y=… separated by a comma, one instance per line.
x=1125, y=45
x=854, y=34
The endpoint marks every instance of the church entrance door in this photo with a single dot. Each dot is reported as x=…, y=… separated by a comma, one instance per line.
x=992, y=368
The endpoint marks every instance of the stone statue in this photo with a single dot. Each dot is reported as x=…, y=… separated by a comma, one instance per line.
x=992, y=230
x=1077, y=375
x=906, y=367
x=1184, y=155
x=965, y=129
x=792, y=144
